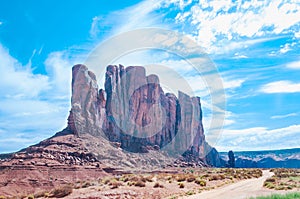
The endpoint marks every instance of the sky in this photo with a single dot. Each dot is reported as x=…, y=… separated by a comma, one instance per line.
x=255, y=46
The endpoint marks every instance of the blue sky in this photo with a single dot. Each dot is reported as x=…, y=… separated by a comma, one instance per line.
x=254, y=44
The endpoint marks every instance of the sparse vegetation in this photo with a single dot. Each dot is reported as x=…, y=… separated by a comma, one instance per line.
x=180, y=178
x=30, y=196
x=181, y=185
x=193, y=180
x=115, y=184
x=190, y=178
x=200, y=182
x=283, y=179
x=140, y=184
x=190, y=192
x=61, y=192
x=157, y=185
x=86, y=185
x=40, y=194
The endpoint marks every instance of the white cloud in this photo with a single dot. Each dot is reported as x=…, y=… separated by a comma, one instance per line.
x=59, y=69
x=32, y=105
x=284, y=116
x=285, y=49
x=259, y=138
x=294, y=65
x=18, y=80
x=137, y=16
x=217, y=26
x=233, y=83
x=238, y=56
x=281, y=87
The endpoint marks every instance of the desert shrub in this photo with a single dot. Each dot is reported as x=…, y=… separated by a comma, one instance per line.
x=157, y=185
x=106, y=181
x=135, y=178
x=77, y=186
x=114, y=184
x=149, y=178
x=190, y=178
x=61, y=192
x=180, y=178
x=270, y=180
x=289, y=187
x=190, y=192
x=269, y=185
x=86, y=185
x=40, y=194
x=30, y=196
x=123, y=178
x=205, y=176
x=200, y=182
x=181, y=185
x=130, y=183
x=280, y=188
x=222, y=177
x=140, y=184
x=214, y=177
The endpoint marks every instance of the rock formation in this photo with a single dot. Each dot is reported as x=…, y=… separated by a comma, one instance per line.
x=134, y=112
x=231, y=159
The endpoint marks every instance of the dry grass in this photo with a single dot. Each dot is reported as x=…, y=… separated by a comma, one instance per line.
x=61, y=192
x=181, y=185
x=284, y=179
x=157, y=185
x=140, y=184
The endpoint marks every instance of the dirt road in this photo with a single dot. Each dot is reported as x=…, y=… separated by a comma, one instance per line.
x=240, y=190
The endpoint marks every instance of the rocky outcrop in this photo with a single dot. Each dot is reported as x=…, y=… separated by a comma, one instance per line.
x=231, y=159
x=134, y=112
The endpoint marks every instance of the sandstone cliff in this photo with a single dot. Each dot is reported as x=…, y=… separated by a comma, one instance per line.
x=133, y=112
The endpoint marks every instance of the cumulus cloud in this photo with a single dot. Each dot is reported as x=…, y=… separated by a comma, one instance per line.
x=216, y=21
x=281, y=87
x=287, y=47
x=259, y=138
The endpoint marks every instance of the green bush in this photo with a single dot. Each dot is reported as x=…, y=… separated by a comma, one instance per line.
x=277, y=196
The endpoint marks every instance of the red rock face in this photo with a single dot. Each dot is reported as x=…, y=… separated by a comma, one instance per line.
x=134, y=111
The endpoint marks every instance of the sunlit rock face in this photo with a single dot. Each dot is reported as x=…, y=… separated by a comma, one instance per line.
x=134, y=111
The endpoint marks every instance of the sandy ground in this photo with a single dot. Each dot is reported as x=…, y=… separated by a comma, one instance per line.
x=240, y=190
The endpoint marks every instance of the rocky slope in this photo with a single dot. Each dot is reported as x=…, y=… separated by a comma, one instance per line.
x=134, y=112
